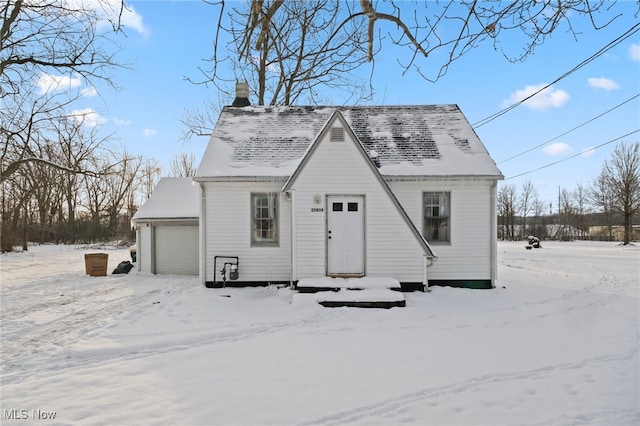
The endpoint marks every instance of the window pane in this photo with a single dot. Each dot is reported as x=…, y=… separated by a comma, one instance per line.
x=337, y=207
x=436, y=216
x=352, y=207
x=265, y=218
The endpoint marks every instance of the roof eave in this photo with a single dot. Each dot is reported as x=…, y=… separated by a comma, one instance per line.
x=231, y=178
x=409, y=177
x=165, y=219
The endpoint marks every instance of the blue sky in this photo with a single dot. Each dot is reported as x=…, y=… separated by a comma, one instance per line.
x=167, y=41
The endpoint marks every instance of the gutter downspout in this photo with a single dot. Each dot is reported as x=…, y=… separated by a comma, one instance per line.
x=203, y=234
x=494, y=234
x=426, y=263
x=153, y=247
x=138, y=247
x=294, y=266
x=425, y=278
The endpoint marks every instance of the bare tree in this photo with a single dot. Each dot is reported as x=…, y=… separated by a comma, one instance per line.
x=527, y=200
x=58, y=38
x=539, y=223
x=119, y=183
x=286, y=51
x=566, y=214
x=96, y=197
x=47, y=49
x=77, y=145
x=601, y=196
x=183, y=165
x=580, y=195
x=200, y=121
x=149, y=175
x=507, y=210
x=621, y=173
x=318, y=39
x=295, y=51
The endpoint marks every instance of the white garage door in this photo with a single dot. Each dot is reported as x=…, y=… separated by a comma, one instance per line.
x=176, y=250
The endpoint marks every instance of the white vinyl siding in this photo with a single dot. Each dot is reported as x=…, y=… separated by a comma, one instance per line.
x=228, y=231
x=468, y=254
x=391, y=249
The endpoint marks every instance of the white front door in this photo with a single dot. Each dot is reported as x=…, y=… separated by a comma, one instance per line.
x=345, y=235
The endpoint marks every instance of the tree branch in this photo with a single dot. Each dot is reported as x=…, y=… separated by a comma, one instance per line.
x=13, y=167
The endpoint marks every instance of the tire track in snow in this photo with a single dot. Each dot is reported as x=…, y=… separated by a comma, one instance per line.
x=18, y=349
x=395, y=404
x=608, y=280
x=85, y=359
x=618, y=418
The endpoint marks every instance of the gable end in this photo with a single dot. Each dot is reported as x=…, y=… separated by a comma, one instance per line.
x=337, y=116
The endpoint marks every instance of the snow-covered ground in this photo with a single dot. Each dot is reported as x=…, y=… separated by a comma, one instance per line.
x=556, y=343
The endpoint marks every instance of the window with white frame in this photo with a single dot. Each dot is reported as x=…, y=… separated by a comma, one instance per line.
x=264, y=218
x=436, y=220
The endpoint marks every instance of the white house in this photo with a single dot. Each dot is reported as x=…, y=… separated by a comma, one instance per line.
x=167, y=229
x=288, y=193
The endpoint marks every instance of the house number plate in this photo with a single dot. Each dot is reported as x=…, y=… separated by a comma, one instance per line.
x=317, y=209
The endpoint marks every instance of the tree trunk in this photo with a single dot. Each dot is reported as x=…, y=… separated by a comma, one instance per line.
x=25, y=245
x=628, y=227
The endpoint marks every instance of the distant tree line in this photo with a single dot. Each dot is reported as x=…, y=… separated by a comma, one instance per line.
x=46, y=204
x=611, y=200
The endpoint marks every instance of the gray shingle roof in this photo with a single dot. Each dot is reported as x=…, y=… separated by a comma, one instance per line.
x=427, y=140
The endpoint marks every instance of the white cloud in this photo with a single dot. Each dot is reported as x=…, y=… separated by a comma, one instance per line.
x=131, y=18
x=89, y=92
x=602, y=83
x=558, y=148
x=87, y=116
x=110, y=12
x=634, y=52
x=51, y=83
x=149, y=133
x=547, y=98
x=589, y=152
x=121, y=122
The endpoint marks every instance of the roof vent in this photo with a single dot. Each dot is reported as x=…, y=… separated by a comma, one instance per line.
x=242, y=95
x=337, y=134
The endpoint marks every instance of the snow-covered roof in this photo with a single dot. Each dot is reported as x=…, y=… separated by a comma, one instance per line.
x=172, y=198
x=414, y=140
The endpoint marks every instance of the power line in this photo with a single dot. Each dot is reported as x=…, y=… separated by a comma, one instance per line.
x=573, y=156
x=609, y=46
x=569, y=131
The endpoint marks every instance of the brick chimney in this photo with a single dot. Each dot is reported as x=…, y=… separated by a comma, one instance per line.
x=242, y=95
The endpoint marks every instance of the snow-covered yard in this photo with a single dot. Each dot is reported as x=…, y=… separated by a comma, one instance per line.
x=556, y=343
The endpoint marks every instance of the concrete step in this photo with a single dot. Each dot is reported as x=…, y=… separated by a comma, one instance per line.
x=371, y=298
x=315, y=284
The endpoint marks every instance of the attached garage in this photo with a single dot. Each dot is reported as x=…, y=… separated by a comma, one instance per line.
x=176, y=249
x=167, y=229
